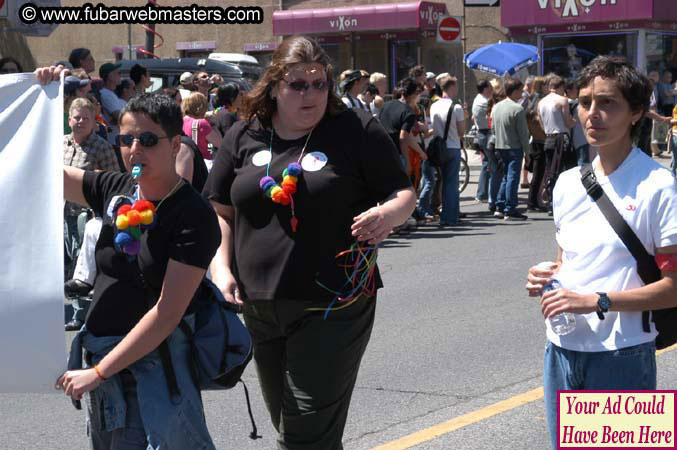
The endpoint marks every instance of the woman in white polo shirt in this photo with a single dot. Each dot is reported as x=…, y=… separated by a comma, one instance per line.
x=608, y=348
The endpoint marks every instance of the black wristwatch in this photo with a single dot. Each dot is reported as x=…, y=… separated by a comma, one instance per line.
x=603, y=304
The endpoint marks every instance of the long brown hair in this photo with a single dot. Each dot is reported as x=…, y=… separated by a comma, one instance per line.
x=294, y=50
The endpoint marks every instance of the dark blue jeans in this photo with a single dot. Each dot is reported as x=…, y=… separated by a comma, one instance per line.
x=632, y=368
x=429, y=177
x=451, y=200
x=507, y=193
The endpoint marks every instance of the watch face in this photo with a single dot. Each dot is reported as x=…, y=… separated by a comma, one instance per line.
x=604, y=302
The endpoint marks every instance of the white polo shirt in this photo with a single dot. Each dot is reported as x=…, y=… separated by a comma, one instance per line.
x=594, y=258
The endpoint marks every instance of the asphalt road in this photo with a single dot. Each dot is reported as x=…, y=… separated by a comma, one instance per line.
x=455, y=332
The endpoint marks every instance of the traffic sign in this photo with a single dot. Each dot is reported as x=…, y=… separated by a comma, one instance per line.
x=481, y=2
x=449, y=29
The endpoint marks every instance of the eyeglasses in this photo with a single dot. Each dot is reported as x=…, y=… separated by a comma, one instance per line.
x=303, y=85
x=147, y=139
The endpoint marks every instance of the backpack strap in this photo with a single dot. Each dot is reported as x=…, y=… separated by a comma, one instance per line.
x=646, y=264
x=446, y=125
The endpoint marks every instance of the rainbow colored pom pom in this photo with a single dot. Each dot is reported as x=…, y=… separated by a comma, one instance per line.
x=130, y=221
x=283, y=194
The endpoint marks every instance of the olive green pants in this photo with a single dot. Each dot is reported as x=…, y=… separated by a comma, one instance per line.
x=307, y=367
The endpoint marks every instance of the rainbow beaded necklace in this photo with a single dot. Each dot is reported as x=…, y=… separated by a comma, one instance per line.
x=284, y=194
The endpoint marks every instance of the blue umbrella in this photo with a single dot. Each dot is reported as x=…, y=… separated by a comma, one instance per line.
x=502, y=58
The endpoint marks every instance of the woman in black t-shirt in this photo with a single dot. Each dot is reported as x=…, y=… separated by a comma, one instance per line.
x=143, y=287
x=296, y=182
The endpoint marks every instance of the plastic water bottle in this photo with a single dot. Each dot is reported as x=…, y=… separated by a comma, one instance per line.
x=563, y=323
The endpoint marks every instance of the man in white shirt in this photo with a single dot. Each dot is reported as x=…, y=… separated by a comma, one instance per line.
x=111, y=104
x=449, y=171
x=555, y=116
x=489, y=182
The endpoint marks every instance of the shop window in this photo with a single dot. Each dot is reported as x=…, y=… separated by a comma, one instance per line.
x=370, y=55
x=567, y=55
x=333, y=51
x=661, y=53
x=404, y=56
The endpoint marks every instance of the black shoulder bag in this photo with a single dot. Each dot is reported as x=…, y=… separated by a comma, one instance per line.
x=664, y=319
x=437, y=147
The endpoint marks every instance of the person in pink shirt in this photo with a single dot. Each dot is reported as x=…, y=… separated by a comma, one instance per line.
x=194, y=108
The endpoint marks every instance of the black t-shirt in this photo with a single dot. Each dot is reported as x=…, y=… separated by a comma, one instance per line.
x=396, y=116
x=186, y=231
x=224, y=121
x=199, y=167
x=271, y=262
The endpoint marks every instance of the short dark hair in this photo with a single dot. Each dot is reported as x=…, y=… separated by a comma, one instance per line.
x=417, y=71
x=370, y=89
x=124, y=84
x=226, y=94
x=409, y=87
x=159, y=108
x=136, y=72
x=512, y=85
x=482, y=85
x=77, y=55
x=634, y=86
x=556, y=82
x=7, y=59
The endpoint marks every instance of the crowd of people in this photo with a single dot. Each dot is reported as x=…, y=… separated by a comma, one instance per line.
x=269, y=161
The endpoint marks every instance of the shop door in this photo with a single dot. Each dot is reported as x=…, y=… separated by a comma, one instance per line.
x=403, y=56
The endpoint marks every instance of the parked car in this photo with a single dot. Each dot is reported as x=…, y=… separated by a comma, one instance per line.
x=166, y=72
x=249, y=65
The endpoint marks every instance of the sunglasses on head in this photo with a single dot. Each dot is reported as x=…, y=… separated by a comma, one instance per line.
x=147, y=139
x=303, y=85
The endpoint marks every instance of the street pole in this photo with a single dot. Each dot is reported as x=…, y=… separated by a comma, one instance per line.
x=463, y=49
x=150, y=39
x=129, y=39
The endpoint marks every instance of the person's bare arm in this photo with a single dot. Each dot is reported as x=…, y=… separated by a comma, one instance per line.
x=220, y=267
x=653, y=115
x=376, y=223
x=184, y=162
x=661, y=294
x=569, y=121
x=72, y=185
x=179, y=285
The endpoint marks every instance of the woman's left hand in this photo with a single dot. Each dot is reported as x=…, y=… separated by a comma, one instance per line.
x=372, y=226
x=76, y=383
x=563, y=300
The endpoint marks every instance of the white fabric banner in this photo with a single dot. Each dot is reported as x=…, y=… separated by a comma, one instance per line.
x=32, y=337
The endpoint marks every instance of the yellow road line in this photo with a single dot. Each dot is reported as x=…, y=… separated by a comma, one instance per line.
x=428, y=434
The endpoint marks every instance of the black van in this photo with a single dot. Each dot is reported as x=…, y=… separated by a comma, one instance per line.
x=166, y=72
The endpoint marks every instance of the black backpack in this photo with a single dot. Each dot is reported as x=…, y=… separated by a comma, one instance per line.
x=664, y=319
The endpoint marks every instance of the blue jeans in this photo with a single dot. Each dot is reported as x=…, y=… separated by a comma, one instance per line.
x=483, y=182
x=507, y=193
x=451, y=199
x=583, y=155
x=429, y=177
x=631, y=368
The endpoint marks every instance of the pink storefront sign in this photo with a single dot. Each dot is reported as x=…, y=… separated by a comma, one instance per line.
x=563, y=13
x=390, y=16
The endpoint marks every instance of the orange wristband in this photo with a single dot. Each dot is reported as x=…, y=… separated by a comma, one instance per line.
x=98, y=373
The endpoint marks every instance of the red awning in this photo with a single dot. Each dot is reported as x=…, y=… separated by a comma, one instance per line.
x=389, y=16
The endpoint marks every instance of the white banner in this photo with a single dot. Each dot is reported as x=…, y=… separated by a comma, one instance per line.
x=32, y=337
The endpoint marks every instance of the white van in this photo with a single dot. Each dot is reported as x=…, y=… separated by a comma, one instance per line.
x=249, y=65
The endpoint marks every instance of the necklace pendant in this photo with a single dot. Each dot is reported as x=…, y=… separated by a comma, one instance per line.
x=294, y=223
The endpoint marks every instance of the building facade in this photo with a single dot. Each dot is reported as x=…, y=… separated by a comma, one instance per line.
x=387, y=36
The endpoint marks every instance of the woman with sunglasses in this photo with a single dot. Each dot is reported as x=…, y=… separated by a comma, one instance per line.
x=143, y=287
x=296, y=182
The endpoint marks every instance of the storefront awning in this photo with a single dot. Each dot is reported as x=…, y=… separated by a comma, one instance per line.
x=389, y=16
x=577, y=15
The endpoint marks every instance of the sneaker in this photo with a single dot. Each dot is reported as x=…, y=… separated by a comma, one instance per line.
x=492, y=209
x=515, y=216
x=498, y=215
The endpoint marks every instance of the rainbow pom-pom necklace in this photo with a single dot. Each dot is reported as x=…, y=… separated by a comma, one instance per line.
x=284, y=194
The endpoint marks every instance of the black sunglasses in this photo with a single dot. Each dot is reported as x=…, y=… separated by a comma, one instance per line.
x=147, y=139
x=303, y=85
